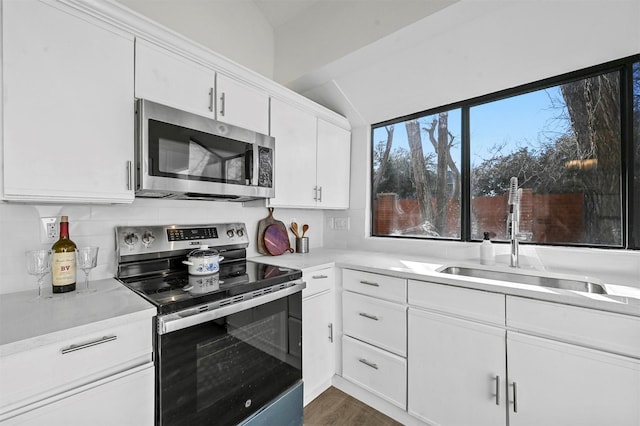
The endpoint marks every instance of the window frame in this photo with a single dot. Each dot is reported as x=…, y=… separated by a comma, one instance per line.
x=624, y=66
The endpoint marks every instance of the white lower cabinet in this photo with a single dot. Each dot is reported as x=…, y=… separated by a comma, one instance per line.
x=557, y=384
x=103, y=375
x=318, y=301
x=457, y=371
x=375, y=334
x=540, y=364
x=125, y=399
x=376, y=370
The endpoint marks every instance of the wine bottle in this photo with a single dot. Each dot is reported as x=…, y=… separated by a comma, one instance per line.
x=63, y=263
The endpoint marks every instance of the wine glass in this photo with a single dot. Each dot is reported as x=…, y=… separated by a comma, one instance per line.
x=86, y=259
x=39, y=265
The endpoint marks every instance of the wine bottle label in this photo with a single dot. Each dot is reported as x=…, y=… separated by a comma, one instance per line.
x=63, y=269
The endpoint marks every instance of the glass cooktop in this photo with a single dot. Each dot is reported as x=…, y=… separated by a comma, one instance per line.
x=178, y=290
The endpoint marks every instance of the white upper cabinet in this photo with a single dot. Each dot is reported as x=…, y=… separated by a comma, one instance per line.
x=173, y=80
x=241, y=105
x=312, y=160
x=295, y=165
x=68, y=108
x=333, y=166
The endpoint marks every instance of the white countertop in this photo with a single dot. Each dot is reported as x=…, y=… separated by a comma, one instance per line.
x=27, y=322
x=620, y=299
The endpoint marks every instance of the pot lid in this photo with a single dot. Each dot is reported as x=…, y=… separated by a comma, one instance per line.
x=203, y=251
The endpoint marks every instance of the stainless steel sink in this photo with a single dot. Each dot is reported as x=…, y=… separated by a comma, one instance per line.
x=523, y=278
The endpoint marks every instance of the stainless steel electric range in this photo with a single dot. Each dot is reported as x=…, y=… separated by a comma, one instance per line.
x=228, y=345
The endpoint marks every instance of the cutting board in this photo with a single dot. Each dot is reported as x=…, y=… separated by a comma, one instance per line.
x=262, y=228
x=276, y=239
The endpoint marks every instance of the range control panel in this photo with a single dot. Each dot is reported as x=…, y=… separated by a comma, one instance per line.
x=136, y=240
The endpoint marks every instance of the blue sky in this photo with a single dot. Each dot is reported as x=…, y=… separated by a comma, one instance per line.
x=512, y=122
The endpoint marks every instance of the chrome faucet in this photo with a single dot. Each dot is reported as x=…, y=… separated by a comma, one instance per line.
x=513, y=222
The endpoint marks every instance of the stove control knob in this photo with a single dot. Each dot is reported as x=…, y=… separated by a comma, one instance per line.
x=148, y=238
x=240, y=232
x=131, y=239
x=230, y=233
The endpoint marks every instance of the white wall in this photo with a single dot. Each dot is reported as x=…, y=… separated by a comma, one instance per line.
x=235, y=29
x=469, y=49
x=94, y=225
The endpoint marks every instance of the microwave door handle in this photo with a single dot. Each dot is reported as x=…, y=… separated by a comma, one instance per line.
x=248, y=167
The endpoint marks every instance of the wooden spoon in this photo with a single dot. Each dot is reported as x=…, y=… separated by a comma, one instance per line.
x=294, y=229
x=305, y=228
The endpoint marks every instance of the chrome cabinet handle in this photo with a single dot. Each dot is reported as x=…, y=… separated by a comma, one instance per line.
x=320, y=191
x=368, y=363
x=129, y=177
x=81, y=346
x=366, y=315
x=331, y=332
x=515, y=397
x=211, y=99
x=319, y=277
x=369, y=283
x=497, y=390
x=315, y=193
x=222, y=106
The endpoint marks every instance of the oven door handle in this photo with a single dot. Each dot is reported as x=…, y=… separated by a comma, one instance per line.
x=193, y=316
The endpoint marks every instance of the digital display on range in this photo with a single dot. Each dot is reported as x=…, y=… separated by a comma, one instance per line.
x=192, y=234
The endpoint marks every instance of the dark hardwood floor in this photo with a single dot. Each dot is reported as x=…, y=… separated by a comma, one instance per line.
x=334, y=407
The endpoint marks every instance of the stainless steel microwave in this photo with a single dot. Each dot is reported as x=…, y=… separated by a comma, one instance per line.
x=187, y=156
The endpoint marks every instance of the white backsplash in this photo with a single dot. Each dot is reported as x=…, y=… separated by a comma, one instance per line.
x=94, y=225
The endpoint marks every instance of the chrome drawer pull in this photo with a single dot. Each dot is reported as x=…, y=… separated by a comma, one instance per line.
x=99, y=341
x=515, y=397
x=366, y=315
x=211, y=99
x=331, y=332
x=497, y=390
x=368, y=363
x=370, y=283
x=319, y=277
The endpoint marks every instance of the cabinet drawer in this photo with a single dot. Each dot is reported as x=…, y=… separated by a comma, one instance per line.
x=375, y=321
x=461, y=302
x=375, y=370
x=54, y=368
x=588, y=327
x=318, y=281
x=382, y=286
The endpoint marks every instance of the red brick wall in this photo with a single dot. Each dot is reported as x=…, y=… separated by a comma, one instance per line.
x=551, y=217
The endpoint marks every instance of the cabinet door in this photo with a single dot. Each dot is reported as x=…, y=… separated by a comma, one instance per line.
x=295, y=165
x=241, y=105
x=125, y=399
x=170, y=79
x=559, y=384
x=317, y=344
x=456, y=371
x=333, y=166
x=68, y=106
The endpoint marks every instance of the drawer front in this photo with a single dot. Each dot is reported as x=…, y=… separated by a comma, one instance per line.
x=48, y=370
x=377, y=371
x=588, y=327
x=318, y=281
x=382, y=286
x=461, y=302
x=381, y=323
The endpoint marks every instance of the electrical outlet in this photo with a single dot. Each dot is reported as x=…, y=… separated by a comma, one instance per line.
x=342, y=223
x=49, y=229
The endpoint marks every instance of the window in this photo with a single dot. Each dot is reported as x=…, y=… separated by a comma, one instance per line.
x=564, y=139
x=416, y=177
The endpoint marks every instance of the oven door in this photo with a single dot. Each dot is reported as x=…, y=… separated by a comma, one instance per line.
x=225, y=370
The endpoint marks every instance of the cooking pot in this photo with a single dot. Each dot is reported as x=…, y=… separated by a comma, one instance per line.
x=203, y=261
